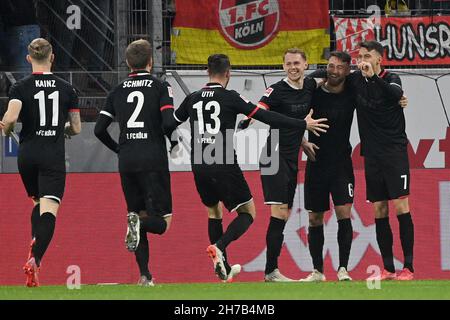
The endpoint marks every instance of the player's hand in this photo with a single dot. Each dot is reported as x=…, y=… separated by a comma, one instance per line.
x=320, y=82
x=366, y=69
x=315, y=125
x=244, y=124
x=2, y=125
x=403, y=101
x=175, y=147
x=310, y=150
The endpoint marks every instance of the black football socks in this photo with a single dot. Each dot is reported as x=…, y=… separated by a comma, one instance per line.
x=237, y=228
x=154, y=224
x=344, y=238
x=385, y=242
x=315, y=243
x=44, y=233
x=35, y=217
x=215, y=232
x=407, y=239
x=274, y=242
x=142, y=255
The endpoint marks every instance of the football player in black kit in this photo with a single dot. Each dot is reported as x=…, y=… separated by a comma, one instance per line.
x=43, y=103
x=143, y=108
x=291, y=97
x=381, y=124
x=329, y=168
x=384, y=144
x=212, y=112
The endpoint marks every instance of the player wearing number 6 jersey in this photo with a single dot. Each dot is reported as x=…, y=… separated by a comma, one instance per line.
x=43, y=102
x=384, y=142
x=329, y=170
x=143, y=107
x=212, y=112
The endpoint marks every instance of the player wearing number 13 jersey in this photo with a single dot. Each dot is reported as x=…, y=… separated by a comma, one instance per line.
x=43, y=103
x=212, y=112
x=142, y=106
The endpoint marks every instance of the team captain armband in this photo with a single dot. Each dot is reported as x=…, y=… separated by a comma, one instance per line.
x=74, y=110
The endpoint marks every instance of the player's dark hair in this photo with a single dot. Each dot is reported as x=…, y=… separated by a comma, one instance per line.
x=218, y=64
x=295, y=51
x=138, y=54
x=372, y=45
x=341, y=55
x=40, y=49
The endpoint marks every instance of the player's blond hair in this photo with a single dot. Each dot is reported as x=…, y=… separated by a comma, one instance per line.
x=295, y=51
x=40, y=49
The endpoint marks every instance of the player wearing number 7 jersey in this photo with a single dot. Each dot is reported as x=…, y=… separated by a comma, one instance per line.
x=43, y=102
x=212, y=112
x=143, y=107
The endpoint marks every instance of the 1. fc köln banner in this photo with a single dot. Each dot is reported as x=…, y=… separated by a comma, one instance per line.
x=407, y=41
x=250, y=32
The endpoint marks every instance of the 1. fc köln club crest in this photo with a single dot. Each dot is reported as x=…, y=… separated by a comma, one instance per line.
x=249, y=24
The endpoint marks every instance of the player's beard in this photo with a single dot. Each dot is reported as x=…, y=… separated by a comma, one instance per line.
x=334, y=82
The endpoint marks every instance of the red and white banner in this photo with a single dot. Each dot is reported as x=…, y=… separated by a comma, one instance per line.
x=91, y=226
x=407, y=40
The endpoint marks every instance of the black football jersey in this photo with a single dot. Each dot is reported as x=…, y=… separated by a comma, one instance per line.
x=338, y=108
x=46, y=101
x=283, y=98
x=212, y=112
x=136, y=103
x=381, y=120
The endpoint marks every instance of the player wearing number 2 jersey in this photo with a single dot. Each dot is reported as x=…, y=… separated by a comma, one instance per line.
x=142, y=106
x=212, y=112
x=43, y=103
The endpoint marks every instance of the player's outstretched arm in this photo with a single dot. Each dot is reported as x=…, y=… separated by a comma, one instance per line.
x=247, y=122
x=10, y=118
x=315, y=125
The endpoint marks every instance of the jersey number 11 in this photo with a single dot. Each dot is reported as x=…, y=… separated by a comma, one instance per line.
x=54, y=96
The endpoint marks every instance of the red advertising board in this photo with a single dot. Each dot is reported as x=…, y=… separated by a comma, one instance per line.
x=91, y=226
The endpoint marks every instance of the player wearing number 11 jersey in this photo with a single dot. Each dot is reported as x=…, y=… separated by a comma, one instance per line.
x=142, y=106
x=43, y=103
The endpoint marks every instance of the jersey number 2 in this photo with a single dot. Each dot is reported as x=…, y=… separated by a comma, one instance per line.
x=54, y=96
x=132, y=123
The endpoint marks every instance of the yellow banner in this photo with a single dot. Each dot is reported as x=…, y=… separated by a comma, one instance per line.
x=193, y=46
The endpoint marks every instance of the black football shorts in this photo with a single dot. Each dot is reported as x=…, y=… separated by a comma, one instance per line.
x=148, y=191
x=387, y=177
x=321, y=181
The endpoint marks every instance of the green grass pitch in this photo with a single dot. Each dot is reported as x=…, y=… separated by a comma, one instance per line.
x=438, y=289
